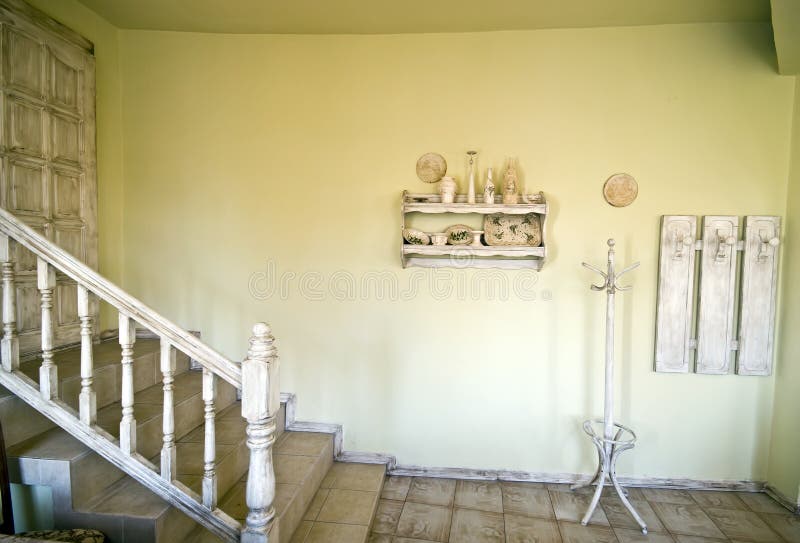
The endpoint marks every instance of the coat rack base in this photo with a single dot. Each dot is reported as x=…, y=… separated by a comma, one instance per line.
x=608, y=450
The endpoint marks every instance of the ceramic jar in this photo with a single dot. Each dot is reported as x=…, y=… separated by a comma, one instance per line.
x=447, y=190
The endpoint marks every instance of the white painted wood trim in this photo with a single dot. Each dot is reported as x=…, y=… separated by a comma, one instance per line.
x=573, y=478
x=432, y=203
x=360, y=457
x=124, y=302
x=47, y=23
x=135, y=465
x=782, y=499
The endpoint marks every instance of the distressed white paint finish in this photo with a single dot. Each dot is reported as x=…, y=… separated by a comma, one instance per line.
x=569, y=478
x=48, y=223
x=127, y=426
x=87, y=401
x=104, y=289
x=758, y=296
x=48, y=178
x=48, y=373
x=209, y=450
x=675, y=294
x=717, y=297
x=135, y=465
x=473, y=256
x=260, y=405
x=169, y=468
x=9, y=345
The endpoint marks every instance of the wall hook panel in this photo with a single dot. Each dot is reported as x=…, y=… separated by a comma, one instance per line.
x=758, y=295
x=715, y=318
x=675, y=294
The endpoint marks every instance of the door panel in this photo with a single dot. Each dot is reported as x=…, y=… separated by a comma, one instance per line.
x=65, y=136
x=27, y=188
x=24, y=61
x=47, y=158
x=26, y=126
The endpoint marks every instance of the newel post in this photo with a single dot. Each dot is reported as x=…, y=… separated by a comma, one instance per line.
x=260, y=405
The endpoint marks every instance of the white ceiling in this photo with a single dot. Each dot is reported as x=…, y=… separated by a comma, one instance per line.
x=411, y=16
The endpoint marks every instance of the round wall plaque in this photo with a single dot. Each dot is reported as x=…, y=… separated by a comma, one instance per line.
x=620, y=190
x=431, y=167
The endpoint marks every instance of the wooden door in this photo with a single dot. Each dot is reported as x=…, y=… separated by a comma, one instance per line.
x=47, y=155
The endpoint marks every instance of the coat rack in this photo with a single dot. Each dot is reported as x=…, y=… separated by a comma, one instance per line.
x=616, y=438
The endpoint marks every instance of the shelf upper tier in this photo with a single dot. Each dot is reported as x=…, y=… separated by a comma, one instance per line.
x=432, y=203
x=474, y=250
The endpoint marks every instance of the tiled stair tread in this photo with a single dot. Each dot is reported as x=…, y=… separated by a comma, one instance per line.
x=301, y=460
x=343, y=508
x=132, y=499
x=56, y=444
x=104, y=354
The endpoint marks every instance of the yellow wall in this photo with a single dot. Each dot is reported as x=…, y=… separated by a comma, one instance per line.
x=294, y=149
x=784, y=459
x=109, y=131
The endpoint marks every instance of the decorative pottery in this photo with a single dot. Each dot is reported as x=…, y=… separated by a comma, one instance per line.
x=510, y=195
x=501, y=229
x=447, y=189
x=488, y=190
x=416, y=237
x=535, y=198
x=620, y=190
x=431, y=167
x=459, y=234
x=471, y=174
x=439, y=238
x=476, y=238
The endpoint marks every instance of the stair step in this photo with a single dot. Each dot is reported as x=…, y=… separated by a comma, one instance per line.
x=21, y=422
x=302, y=460
x=343, y=508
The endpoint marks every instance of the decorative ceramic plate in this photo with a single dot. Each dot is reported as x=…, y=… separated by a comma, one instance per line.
x=620, y=190
x=416, y=237
x=459, y=234
x=501, y=229
x=431, y=167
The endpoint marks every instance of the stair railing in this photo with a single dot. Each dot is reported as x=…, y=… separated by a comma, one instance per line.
x=257, y=378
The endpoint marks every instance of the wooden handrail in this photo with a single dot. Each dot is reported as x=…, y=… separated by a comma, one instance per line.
x=124, y=302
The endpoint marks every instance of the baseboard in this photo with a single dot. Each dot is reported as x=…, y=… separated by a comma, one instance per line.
x=294, y=425
x=782, y=499
x=506, y=475
x=573, y=478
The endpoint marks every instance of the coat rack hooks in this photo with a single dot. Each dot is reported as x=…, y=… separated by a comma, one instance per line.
x=615, y=438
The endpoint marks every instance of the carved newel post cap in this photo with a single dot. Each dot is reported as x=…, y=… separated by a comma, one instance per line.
x=261, y=343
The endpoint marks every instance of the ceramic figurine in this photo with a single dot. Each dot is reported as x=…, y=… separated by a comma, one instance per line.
x=488, y=190
x=447, y=189
x=471, y=189
x=510, y=195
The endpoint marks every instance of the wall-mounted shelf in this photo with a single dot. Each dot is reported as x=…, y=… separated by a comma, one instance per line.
x=472, y=256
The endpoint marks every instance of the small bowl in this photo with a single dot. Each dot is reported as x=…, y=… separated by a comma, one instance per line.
x=439, y=238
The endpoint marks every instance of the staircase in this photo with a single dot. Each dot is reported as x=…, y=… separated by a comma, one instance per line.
x=135, y=443
x=88, y=491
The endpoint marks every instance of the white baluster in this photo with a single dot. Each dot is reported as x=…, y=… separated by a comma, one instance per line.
x=9, y=345
x=48, y=373
x=168, y=455
x=260, y=404
x=127, y=426
x=209, y=451
x=87, y=401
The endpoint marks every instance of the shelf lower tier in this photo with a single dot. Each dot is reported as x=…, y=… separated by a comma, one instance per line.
x=470, y=256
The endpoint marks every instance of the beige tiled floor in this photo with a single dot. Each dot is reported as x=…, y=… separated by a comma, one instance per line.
x=422, y=510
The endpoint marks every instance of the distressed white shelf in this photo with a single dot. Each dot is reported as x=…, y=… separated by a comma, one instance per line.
x=472, y=256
